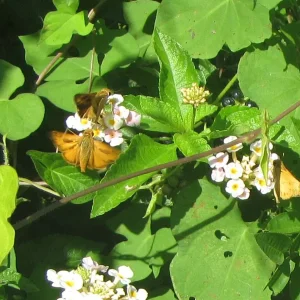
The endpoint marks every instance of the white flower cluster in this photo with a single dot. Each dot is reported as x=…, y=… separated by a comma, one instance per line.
x=241, y=175
x=112, y=122
x=85, y=283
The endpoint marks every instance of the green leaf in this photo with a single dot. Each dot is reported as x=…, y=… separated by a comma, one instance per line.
x=142, y=153
x=52, y=90
x=286, y=222
x=217, y=248
x=139, y=16
x=59, y=27
x=294, y=284
x=274, y=245
x=203, y=27
x=118, y=46
x=141, y=248
x=173, y=60
x=266, y=78
x=12, y=277
x=21, y=116
x=62, y=177
x=37, y=53
x=281, y=276
x=156, y=115
x=66, y=6
x=204, y=110
x=191, y=143
x=11, y=77
x=8, y=190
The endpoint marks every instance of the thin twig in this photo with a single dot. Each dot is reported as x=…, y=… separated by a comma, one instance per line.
x=225, y=90
x=247, y=138
x=91, y=17
x=91, y=70
x=29, y=182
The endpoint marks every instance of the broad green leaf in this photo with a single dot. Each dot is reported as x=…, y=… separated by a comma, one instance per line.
x=12, y=277
x=52, y=90
x=177, y=71
x=156, y=115
x=206, y=68
x=21, y=116
x=59, y=27
x=294, y=284
x=142, y=153
x=204, y=110
x=118, y=46
x=286, y=222
x=190, y=143
x=67, y=6
x=62, y=177
x=11, y=77
x=216, y=248
x=8, y=192
x=266, y=77
x=274, y=245
x=141, y=248
x=37, y=53
x=281, y=276
x=163, y=294
x=137, y=15
x=203, y=27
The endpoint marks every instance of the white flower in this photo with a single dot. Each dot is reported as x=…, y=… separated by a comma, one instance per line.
x=113, y=121
x=245, y=195
x=133, y=119
x=218, y=161
x=115, y=99
x=77, y=123
x=134, y=294
x=119, y=292
x=263, y=186
x=123, y=274
x=71, y=280
x=233, y=170
x=274, y=156
x=256, y=147
x=121, y=111
x=234, y=148
x=90, y=264
x=54, y=277
x=218, y=175
x=235, y=187
x=71, y=295
x=113, y=137
x=98, y=134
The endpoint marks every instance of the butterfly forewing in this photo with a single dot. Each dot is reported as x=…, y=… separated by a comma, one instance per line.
x=83, y=150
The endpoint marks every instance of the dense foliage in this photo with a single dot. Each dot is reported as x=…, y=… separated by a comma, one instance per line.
x=198, y=73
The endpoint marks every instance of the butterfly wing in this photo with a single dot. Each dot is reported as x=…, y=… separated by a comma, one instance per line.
x=68, y=145
x=286, y=185
x=103, y=155
x=84, y=104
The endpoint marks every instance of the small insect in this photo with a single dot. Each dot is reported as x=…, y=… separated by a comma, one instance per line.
x=91, y=105
x=84, y=150
x=286, y=185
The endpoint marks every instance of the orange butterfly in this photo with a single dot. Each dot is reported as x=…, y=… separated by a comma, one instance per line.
x=90, y=106
x=286, y=185
x=83, y=150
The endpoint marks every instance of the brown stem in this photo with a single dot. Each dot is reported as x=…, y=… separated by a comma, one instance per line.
x=91, y=17
x=248, y=137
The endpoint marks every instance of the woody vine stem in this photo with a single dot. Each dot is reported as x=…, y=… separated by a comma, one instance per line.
x=246, y=138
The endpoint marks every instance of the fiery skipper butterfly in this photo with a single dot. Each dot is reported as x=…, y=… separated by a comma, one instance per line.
x=91, y=105
x=286, y=185
x=83, y=150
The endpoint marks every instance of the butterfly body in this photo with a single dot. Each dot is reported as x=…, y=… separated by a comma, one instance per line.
x=286, y=185
x=84, y=151
x=91, y=105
